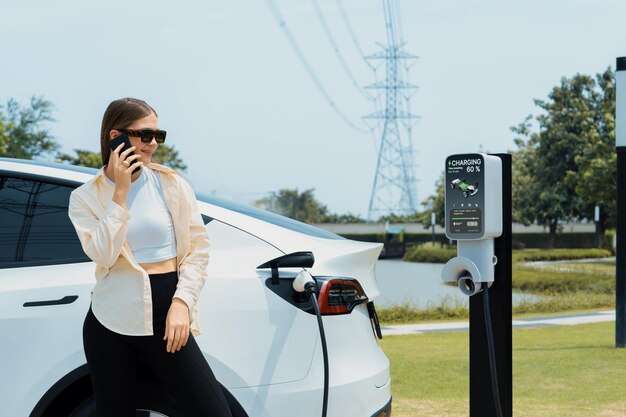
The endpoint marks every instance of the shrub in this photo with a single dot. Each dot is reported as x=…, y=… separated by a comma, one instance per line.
x=429, y=254
x=610, y=235
x=529, y=255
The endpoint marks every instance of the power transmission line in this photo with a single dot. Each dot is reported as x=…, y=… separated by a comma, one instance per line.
x=396, y=10
x=407, y=97
x=303, y=60
x=356, y=43
x=335, y=47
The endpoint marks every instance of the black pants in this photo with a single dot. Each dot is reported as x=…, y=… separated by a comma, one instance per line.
x=112, y=359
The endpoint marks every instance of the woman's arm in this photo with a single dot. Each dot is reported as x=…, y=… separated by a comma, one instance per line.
x=101, y=239
x=192, y=274
x=191, y=277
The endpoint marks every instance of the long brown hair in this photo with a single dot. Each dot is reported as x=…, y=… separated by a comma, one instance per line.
x=119, y=115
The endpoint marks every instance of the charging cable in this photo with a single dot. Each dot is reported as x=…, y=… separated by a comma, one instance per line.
x=492, y=352
x=304, y=282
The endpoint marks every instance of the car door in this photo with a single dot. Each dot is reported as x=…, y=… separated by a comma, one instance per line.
x=250, y=335
x=45, y=285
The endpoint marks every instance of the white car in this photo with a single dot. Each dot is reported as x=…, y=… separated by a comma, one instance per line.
x=260, y=337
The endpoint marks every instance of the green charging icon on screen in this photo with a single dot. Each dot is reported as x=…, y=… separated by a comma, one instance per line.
x=467, y=189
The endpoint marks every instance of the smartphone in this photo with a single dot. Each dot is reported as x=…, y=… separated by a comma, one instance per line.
x=116, y=141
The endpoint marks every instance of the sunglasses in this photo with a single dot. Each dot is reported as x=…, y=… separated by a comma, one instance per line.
x=146, y=135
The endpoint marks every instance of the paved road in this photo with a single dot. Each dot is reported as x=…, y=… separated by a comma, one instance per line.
x=564, y=320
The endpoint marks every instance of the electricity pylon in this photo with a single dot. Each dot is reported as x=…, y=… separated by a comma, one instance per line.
x=394, y=189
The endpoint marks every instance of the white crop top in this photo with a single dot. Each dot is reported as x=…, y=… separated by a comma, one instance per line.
x=150, y=230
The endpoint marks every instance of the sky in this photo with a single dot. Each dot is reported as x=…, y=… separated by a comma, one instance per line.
x=245, y=115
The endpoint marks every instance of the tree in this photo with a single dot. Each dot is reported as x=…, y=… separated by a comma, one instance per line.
x=299, y=206
x=548, y=186
x=344, y=218
x=22, y=131
x=595, y=181
x=523, y=162
x=4, y=140
x=435, y=204
x=399, y=218
x=168, y=155
x=83, y=158
x=164, y=154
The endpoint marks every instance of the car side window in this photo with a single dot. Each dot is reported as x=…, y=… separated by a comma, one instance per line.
x=36, y=229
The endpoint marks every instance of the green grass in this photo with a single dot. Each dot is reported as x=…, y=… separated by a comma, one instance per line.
x=566, y=371
x=578, y=278
x=447, y=309
x=603, y=267
x=450, y=310
x=566, y=303
x=571, y=371
x=579, y=287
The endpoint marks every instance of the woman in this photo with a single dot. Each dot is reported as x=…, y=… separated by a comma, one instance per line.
x=146, y=235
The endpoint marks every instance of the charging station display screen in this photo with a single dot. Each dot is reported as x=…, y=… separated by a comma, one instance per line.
x=465, y=198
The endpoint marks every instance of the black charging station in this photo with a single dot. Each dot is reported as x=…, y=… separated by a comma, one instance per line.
x=478, y=217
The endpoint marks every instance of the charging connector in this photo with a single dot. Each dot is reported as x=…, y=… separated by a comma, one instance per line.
x=303, y=278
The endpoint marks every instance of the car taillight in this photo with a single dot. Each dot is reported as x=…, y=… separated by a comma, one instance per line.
x=340, y=296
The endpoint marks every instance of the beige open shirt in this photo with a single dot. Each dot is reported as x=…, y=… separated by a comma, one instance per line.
x=122, y=298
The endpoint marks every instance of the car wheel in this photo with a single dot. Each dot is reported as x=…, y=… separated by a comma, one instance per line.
x=152, y=401
x=465, y=194
x=452, y=186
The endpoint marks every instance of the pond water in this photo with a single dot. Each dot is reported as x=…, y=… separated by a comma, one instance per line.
x=419, y=284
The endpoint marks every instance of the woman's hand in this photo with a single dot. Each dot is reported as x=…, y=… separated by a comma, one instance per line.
x=121, y=173
x=177, y=325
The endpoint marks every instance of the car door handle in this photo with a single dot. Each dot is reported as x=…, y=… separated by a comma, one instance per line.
x=68, y=299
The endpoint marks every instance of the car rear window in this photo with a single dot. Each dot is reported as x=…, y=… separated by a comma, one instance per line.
x=268, y=216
